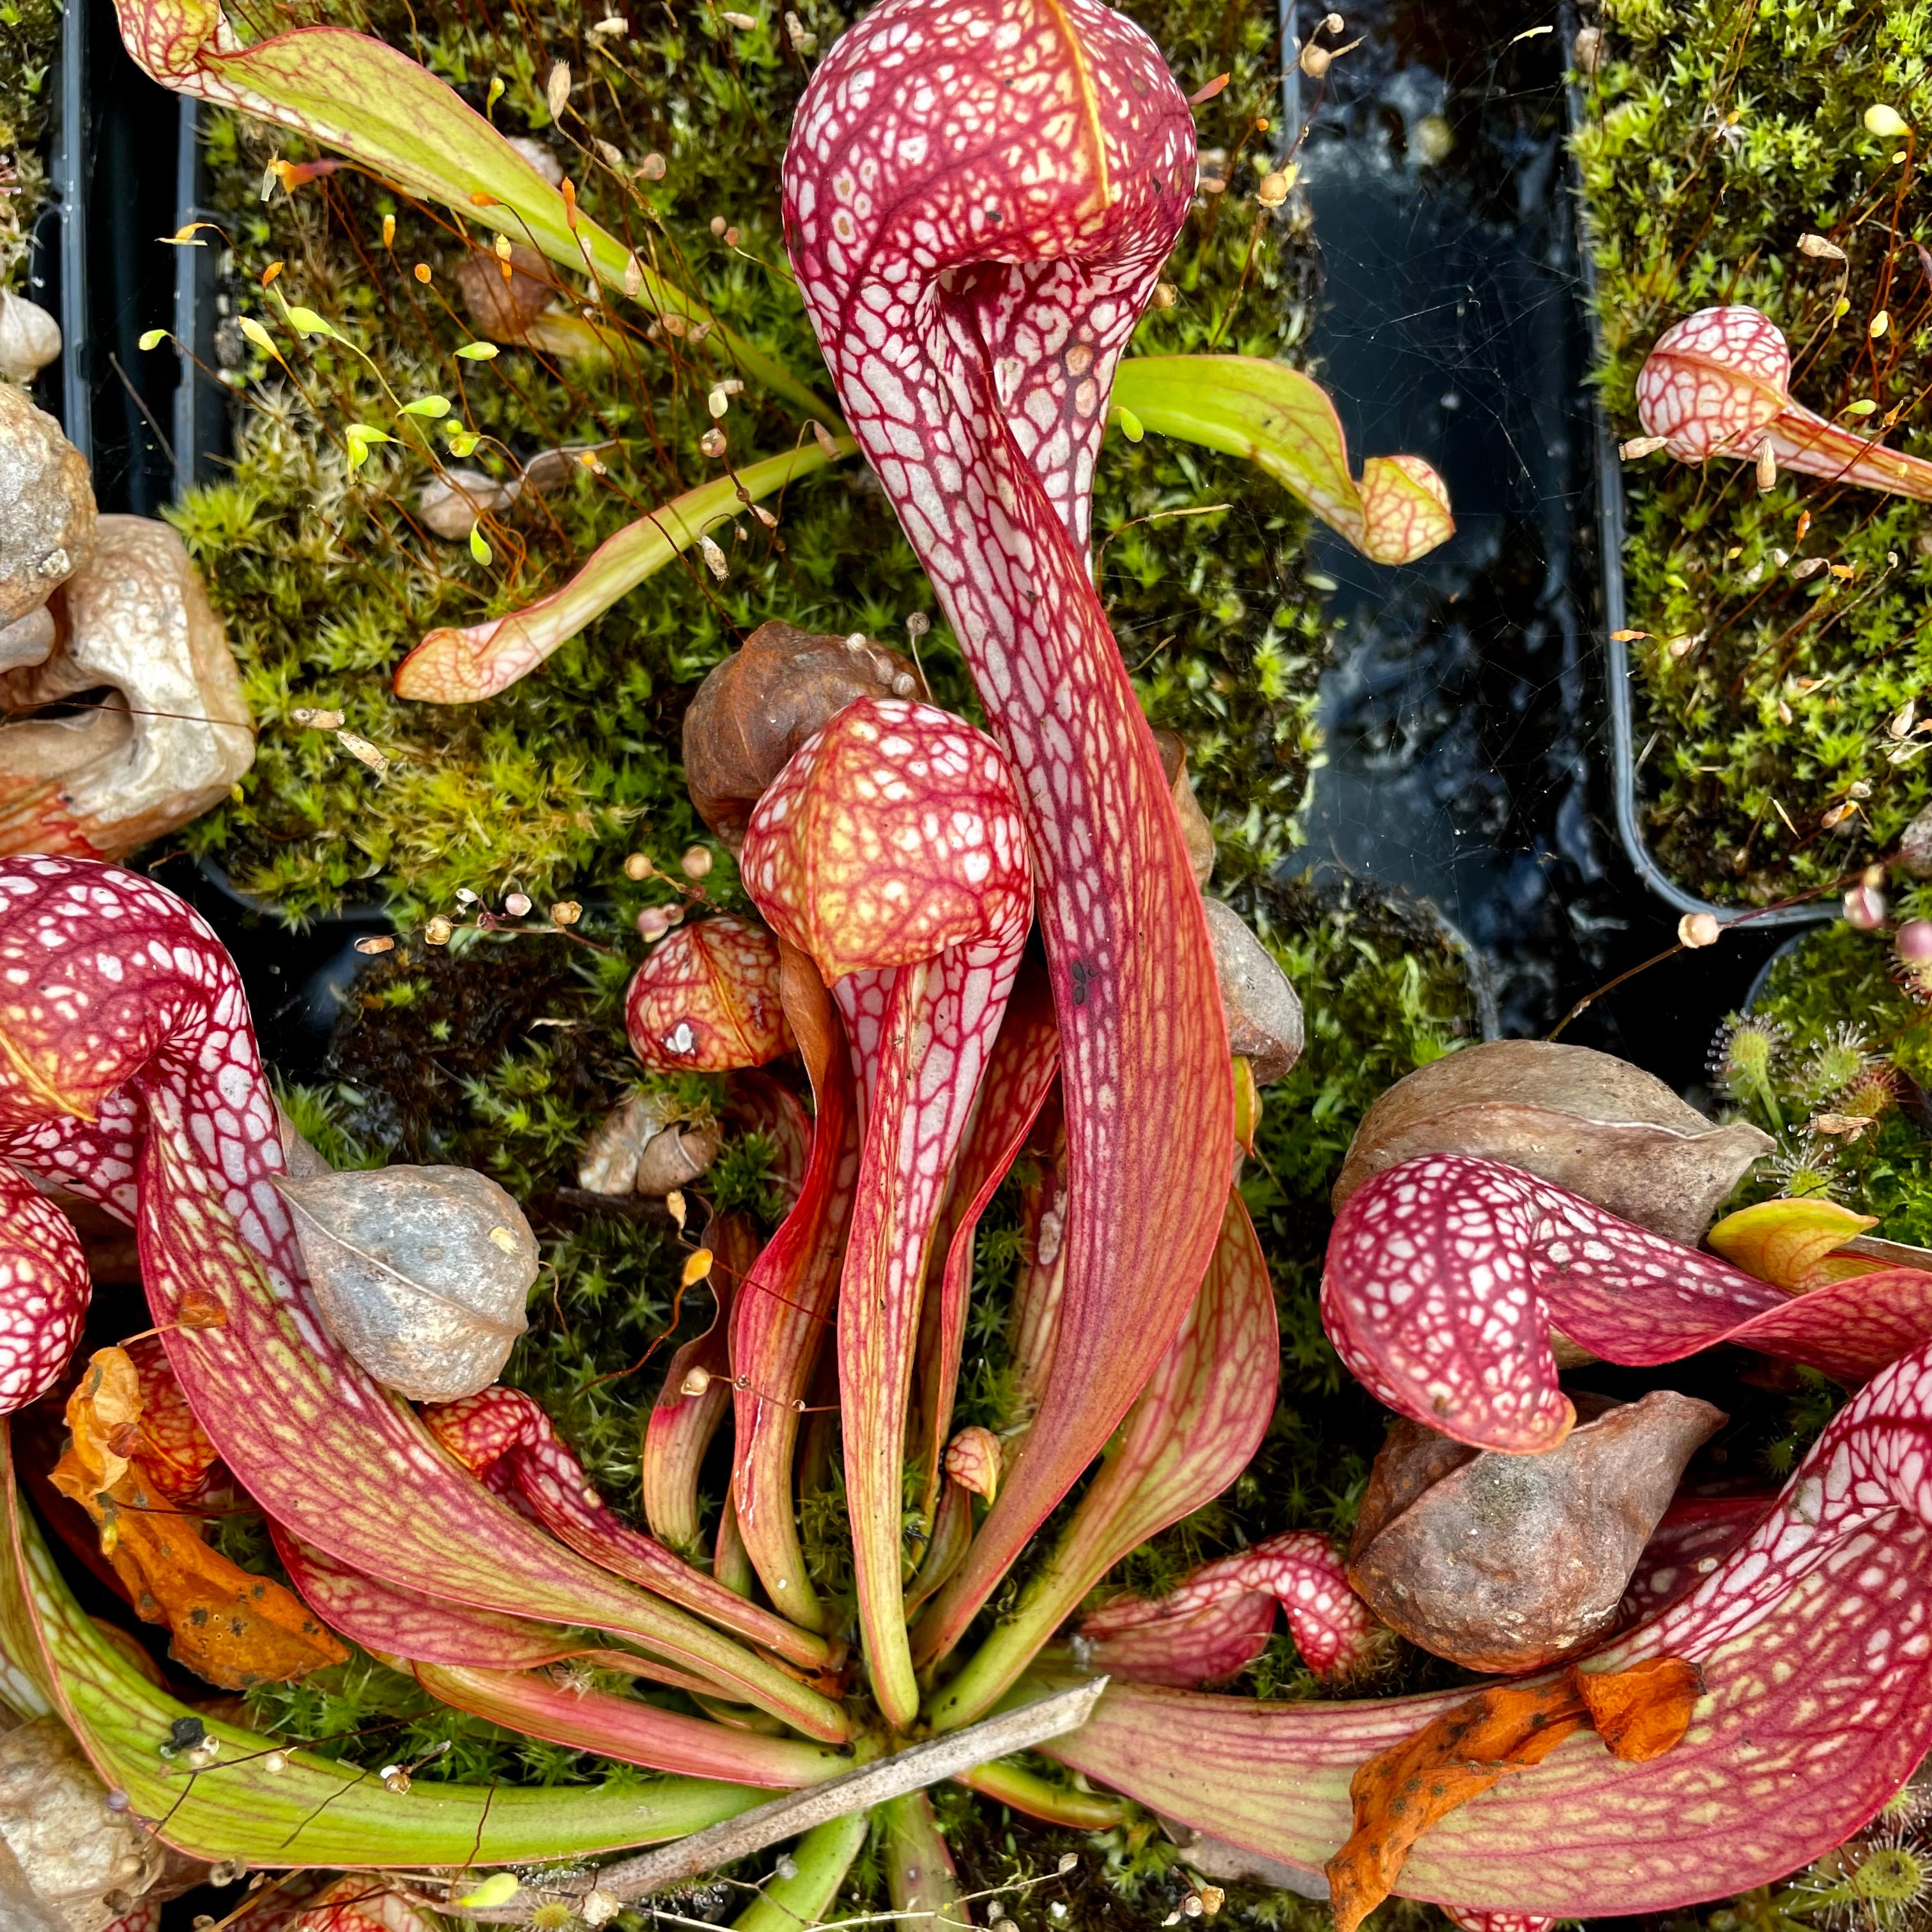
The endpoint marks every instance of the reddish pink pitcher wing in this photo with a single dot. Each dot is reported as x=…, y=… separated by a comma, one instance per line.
x=1024, y=1064
x=502, y=1433
x=394, y=1621
x=1814, y=1639
x=629, y=1730
x=978, y=201
x=1445, y=1275
x=785, y=1306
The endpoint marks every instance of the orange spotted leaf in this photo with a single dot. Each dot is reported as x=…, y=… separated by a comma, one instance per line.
x=232, y=1628
x=1644, y=1711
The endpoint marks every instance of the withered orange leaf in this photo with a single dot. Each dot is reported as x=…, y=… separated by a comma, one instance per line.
x=1644, y=1711
x=1398, y=1793
x=104, y=1419
x=233, y=1629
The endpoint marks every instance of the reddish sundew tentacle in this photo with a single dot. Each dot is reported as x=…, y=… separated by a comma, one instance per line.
x=44, y=1289
x=890, y=848
x=1025, y=1063
x=505, y=1429
x=696, y=1396
x=1717, y=383
x=978, y=200
x=120, y=985
x=785, y=1305
x=705, y=1000
x=1814, y=1639
x=1202, y=1416
x=1195, y=1633
x=1445, y=1274
x=629, y=1730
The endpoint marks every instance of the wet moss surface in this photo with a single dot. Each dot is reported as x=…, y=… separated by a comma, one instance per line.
x=1787, y=631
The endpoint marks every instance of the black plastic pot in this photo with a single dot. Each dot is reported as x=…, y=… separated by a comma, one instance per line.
x=150, y=423
x=1624, y=756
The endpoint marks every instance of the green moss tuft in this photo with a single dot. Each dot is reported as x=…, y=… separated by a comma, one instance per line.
x=1719, y=133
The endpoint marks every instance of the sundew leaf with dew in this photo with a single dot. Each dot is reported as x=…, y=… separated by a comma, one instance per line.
x=1445, y=1275
x=375, y=105
x=1201, y=1417
x=460, y=666
x=1814, y=1639
x=629, y=1731
x=303, y=1810
x=1283, y=421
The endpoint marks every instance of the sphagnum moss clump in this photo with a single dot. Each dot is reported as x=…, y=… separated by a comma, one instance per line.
x=1787, y=633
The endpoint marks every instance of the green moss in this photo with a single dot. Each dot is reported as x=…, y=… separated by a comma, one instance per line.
x=29, y=38
x=1718, y=133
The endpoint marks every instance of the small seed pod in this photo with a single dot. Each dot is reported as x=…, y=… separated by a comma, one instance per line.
x=501, y=306
x=420, y=1272
x=676, y=1157
x=706, y=999
x=758, y=706
x=642, y=1148
x=1264, y=1013
x=451, y=503
x=1501, y=1562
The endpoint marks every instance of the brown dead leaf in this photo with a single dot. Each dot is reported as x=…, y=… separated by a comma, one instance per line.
x=234, y=1629
x=1400, y=1792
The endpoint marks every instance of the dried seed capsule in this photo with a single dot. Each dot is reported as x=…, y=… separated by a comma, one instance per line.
x=756, y=709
